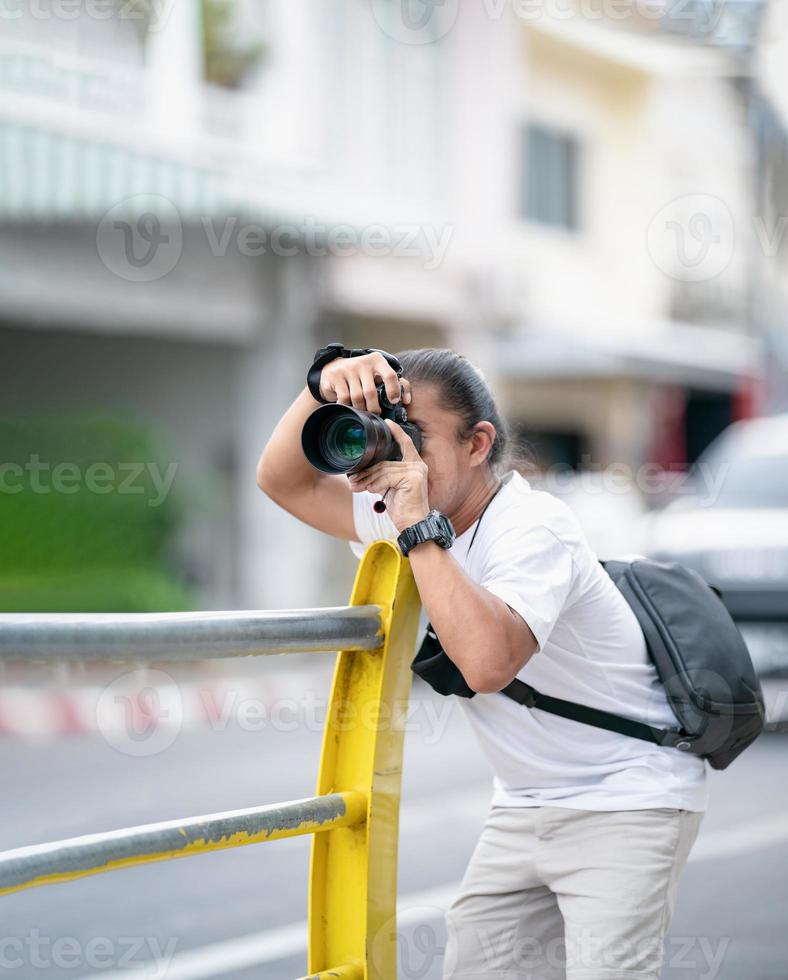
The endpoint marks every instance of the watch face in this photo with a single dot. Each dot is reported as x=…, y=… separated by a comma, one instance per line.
x=442, y=526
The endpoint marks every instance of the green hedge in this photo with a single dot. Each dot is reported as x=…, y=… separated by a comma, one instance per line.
x=84, y=525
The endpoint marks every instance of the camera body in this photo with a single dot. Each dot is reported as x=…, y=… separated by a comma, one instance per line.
x=342, y=439
x=398, y=414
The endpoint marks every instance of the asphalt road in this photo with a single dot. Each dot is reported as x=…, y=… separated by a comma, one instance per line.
x=240, y=914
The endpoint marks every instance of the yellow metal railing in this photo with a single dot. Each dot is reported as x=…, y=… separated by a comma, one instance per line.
x=353, y=879
x=353, y=817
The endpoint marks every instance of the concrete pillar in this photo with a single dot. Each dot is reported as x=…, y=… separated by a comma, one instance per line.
x=280, y=560
x=174, y=57
x=290, y=103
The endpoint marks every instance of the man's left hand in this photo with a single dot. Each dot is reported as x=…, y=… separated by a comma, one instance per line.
x=406, y=481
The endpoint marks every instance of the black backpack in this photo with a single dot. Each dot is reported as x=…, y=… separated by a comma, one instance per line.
x=700, y=657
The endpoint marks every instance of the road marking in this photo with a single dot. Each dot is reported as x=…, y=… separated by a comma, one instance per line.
x=743, y=839
x=223, y=957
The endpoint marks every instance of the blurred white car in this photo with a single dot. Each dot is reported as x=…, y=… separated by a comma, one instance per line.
x=609, y=510
x=731, y=526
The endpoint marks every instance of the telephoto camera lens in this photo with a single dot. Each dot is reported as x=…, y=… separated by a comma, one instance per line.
x=339, y=439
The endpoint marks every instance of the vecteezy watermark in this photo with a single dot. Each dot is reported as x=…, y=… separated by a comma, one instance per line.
x=694, y=16
x=427, y=21
x=415, y=21
x=420, y=944
x=417, y=933
x=706, y=481
x=152, y=15
x=309, y=712
x=35, y=951
x=40, y=477
x=583, y=948
x=692, y=238
x=140, y=239
x=142, y=712
x=425, y=242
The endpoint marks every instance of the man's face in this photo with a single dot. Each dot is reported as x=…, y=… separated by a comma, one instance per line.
x=446, y=455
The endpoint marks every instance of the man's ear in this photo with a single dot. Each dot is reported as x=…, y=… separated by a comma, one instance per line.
x=482, y=440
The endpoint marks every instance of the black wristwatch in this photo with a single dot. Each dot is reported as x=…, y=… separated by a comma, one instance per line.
x=330, y=353
x=435, y=527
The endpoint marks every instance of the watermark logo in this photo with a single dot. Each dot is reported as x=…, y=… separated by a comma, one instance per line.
x=693, y=18
x=417, y=933
x=415, y=21
x=422, y=242
x=140, y=239
x=692, y=238
x=427, y=21
x=144, y=711
x=141, y=956
x=148, y=16
x=132, y=477
x=140, y=713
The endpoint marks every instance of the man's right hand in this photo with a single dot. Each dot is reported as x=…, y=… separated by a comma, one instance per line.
x=353, y=381
x=324, y=500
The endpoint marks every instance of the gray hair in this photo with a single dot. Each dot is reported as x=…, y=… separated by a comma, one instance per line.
x=464, y=390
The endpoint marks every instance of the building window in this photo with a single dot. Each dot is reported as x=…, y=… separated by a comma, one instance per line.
x=549, y=177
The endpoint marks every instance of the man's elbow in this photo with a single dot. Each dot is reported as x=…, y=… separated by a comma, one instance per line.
x=267, y=481
x=262, y=475
x=263, y=478
x=484, y=683
x=285, y=492
x=492, y=678
x=489, y=682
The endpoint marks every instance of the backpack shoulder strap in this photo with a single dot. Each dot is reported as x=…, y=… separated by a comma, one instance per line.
x=529, y=697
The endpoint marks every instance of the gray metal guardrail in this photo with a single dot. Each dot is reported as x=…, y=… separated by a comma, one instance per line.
x=184, y=637
x=76, y=857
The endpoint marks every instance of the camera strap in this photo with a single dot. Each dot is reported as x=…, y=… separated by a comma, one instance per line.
x=479, y=519
x=330, y=353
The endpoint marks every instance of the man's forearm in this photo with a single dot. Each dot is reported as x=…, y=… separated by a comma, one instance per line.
x=476, y=628
x=282, y=463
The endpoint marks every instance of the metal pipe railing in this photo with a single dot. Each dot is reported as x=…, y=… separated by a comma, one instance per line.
x=353, y=872
x=77, y=857
x=189, y=636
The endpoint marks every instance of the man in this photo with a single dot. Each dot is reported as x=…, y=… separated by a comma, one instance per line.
x=576, y=869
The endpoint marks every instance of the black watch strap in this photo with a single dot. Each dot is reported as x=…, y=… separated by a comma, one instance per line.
x=330, y=353
x=435, y=527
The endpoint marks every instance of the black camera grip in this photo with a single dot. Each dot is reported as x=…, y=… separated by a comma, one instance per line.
x=330, y=353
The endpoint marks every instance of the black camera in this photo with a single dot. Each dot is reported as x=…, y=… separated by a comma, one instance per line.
x=340, y=439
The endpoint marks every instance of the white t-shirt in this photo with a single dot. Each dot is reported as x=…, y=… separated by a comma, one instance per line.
x=531, y=552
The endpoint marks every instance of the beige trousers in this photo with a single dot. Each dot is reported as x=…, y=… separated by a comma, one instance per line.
x=557, y=894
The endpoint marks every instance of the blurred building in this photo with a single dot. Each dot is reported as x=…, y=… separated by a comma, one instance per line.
x=195, y=196
x=174, y=177
x=627, y=253
x=769, y=122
